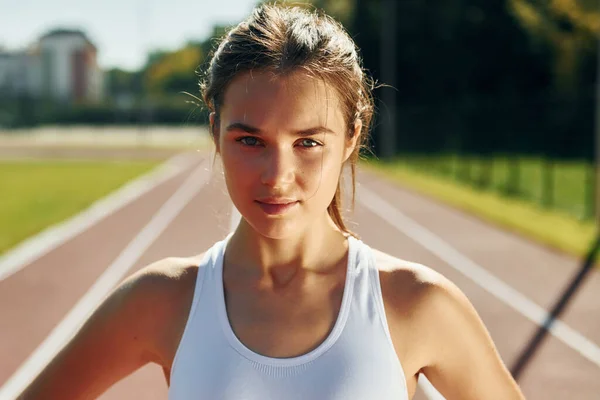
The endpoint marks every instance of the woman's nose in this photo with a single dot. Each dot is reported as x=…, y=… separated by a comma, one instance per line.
x=278, y=168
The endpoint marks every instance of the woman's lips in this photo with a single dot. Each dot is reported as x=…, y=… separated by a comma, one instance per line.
x=276, y=209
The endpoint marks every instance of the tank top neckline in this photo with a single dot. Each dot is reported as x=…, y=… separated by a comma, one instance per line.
x=325, y=345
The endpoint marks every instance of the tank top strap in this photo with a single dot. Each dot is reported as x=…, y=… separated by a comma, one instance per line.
x=371, y=269
x=203, y=287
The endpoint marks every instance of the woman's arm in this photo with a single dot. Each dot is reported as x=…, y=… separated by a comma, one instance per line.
x=113, y=342
x=463, y=361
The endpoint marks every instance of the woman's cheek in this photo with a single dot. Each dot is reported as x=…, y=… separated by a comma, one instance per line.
x=235, y=158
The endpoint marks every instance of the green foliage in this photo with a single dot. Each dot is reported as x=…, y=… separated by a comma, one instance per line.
x=341, y=10
x=474, y=76
x=174, y=109
x=569, y=28
x=174, y=72
x=123, y=82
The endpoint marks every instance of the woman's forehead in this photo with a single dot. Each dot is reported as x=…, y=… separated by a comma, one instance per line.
x=296, y=96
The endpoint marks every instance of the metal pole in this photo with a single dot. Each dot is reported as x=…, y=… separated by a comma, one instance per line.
x=388, y=76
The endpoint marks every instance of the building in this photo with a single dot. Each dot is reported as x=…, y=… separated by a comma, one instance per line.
x=69, y=66
x=19, y=74
x=61, y=65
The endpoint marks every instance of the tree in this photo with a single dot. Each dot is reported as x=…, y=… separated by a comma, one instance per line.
x=173, y=72
x=569, y=28
x=123, y=82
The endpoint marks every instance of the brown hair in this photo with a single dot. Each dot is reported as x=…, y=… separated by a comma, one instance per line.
x=283, y=39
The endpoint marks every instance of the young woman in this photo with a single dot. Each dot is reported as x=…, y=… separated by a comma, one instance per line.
x=291, y=304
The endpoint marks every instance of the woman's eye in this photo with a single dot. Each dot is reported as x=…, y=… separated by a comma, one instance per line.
x=309, y=143
x=248, y=140
x=251, y=141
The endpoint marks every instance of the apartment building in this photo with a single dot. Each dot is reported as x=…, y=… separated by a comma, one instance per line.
x=61, y=65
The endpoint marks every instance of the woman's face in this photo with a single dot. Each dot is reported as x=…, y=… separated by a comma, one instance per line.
x=282, y=143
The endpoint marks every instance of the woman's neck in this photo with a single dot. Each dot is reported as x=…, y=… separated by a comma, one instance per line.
x=277, y=261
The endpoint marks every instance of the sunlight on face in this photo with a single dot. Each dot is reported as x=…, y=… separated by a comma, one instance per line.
x=282, y=143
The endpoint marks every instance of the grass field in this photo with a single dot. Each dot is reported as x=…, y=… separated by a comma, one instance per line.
x=37, y=194
x=562, y=228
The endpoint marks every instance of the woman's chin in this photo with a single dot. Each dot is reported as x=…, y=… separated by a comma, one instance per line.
x=276, y=229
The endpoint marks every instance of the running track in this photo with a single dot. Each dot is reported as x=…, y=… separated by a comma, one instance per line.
x=511, y=281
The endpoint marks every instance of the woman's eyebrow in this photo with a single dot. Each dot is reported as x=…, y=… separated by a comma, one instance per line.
x=243, y=127
x=314, y=131
x=256, y=131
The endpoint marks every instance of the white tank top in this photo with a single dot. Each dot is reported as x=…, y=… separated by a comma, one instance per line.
x=356, y=361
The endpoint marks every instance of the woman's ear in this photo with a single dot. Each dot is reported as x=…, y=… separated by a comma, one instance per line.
x=214, y=130
x=351, y=143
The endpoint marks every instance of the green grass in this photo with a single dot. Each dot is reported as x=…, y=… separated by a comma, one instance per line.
x=570, y=189
x=36, y=195
x=558, y=228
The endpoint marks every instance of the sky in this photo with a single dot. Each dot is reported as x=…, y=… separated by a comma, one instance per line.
x=122, y=30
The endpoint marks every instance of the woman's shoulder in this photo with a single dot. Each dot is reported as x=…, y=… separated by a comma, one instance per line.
x=170, y=269
x=423, y=305
x=161, y=293
x=437, y=331
x=423, y=308
x=414, y=289
x=407, y=277
x=168, y=278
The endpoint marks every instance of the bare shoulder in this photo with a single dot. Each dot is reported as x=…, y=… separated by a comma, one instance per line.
x=408, y=290
x=158, y=287
x=407, y=286
x=165, y=276
x=139, y=322
x=165, y=290
x=437, y=331
x=416, y=293
x=154, y=302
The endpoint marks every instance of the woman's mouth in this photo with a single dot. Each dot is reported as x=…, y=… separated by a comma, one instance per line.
x=276, y=208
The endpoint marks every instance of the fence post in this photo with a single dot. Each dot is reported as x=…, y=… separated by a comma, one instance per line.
x=514, y=175
x=547, y=182
x=589, y=194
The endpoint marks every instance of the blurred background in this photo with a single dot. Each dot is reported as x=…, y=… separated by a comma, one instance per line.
x=119, y=62
x=497, y=95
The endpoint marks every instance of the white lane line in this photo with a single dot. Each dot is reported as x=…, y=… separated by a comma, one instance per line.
x=107, y=281
x=33, y=248
x=502, y=291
